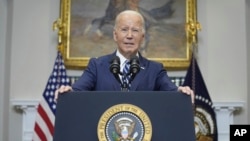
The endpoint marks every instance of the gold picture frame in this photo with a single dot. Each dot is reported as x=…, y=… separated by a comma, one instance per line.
x=71, y=33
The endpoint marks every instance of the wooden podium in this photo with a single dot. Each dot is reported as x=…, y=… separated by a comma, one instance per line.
x=141, y=116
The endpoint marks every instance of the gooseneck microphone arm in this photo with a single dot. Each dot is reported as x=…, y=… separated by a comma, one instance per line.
x=134, y=67
x=115, y=70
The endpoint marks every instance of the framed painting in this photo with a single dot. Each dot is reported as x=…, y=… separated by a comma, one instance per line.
x=85, y=30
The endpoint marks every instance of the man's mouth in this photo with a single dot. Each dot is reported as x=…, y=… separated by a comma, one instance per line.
x=129, y=43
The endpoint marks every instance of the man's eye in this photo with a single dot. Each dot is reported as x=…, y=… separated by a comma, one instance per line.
x=124, y=29
x=135, y=30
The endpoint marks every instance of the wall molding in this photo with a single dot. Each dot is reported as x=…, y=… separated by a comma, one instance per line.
x=224, y=115
x=28, y=108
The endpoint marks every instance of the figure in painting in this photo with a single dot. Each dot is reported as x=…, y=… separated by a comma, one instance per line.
x=152, y=17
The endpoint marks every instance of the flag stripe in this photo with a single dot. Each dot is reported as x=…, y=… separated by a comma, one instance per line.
x=49, y=113
x=46, y=119
x=43, y=126
x=39, y=132
x=35, y=136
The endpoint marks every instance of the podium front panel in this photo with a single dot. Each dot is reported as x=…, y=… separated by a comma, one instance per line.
x=78, y=114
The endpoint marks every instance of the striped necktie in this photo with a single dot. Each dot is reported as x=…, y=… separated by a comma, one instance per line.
x=126, y=76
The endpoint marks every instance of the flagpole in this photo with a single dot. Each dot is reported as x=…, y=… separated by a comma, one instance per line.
x=191, y=27
x=204, y=113
x=194, y=55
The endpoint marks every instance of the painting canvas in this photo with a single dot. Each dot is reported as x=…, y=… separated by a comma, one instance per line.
x=89, y=25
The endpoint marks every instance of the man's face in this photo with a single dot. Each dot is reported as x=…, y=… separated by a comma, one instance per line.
x=128, y=34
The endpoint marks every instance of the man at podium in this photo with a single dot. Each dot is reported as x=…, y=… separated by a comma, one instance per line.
x=125, y=69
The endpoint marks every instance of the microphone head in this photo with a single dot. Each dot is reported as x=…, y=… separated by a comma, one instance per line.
x=134, y=65
x=115, y=65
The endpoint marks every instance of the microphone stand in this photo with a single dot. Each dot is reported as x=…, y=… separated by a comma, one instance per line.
x=134, y=69
x=124, y=85
x=116, y=73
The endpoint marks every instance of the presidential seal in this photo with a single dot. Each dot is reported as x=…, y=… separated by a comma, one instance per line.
x=124, y=122
x=204, y=125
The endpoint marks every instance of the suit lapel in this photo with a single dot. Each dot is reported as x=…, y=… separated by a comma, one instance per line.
x=111, y=77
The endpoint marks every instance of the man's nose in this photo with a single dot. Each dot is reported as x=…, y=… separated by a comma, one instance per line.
x=130, y=34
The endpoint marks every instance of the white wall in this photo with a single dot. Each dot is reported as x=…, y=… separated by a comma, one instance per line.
x=248, y=52
x=33, y=48
x=222, y=50
x=4, y=71
x=224, y=56
x=28, y=51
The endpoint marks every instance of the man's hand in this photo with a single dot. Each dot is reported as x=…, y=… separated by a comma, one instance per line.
x=62, y=90
x=187, y=90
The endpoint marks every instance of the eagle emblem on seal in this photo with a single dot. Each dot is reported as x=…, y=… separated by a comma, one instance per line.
x=124, y=128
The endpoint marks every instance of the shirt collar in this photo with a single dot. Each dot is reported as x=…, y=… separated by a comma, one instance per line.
x=122, y=58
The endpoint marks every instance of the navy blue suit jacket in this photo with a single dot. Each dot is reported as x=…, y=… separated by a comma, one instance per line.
x=97, y=77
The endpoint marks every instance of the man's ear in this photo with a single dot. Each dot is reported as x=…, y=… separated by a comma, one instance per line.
x=143, y=39
x=114, y=36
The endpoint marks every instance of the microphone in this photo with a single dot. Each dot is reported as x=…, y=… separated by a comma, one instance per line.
x=115, y=67
x=134, y=67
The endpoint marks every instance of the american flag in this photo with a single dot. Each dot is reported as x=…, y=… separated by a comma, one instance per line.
x=44, y=123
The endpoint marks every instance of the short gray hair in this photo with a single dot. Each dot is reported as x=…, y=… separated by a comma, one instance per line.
x=131, y=12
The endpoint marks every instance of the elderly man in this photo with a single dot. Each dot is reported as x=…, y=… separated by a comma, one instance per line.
x=128, y=33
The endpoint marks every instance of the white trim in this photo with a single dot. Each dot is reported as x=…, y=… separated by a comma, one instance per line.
x=225, y=116
x=29, y=108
